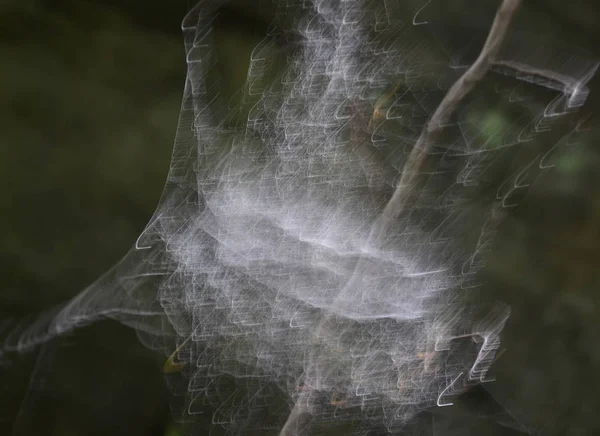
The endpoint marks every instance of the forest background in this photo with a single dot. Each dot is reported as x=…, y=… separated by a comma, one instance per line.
x=89, y=103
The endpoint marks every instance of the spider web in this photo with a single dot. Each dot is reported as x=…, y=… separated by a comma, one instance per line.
x=264, y=274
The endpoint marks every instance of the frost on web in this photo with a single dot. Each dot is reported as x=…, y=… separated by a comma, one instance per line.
x=266, y=273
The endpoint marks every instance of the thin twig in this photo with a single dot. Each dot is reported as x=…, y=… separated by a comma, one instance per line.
x=444, y=112
x=567, y=84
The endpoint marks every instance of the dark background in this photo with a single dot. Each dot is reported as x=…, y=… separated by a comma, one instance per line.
x=89, y=99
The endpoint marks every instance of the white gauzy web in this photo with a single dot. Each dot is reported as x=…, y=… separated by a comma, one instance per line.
x=313, y=258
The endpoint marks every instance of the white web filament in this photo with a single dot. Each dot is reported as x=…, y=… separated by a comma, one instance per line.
x=260, y=268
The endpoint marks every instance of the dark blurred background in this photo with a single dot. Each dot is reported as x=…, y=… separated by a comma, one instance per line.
x=89, y=99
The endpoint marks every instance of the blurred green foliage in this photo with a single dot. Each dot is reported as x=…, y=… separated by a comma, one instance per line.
x=89, y=107
x=173, y=430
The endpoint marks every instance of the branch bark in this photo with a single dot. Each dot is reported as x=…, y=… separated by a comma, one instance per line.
x=461, y=88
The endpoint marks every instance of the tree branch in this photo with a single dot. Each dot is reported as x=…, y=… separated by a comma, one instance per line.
x=444, y=111
x=567, y=84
